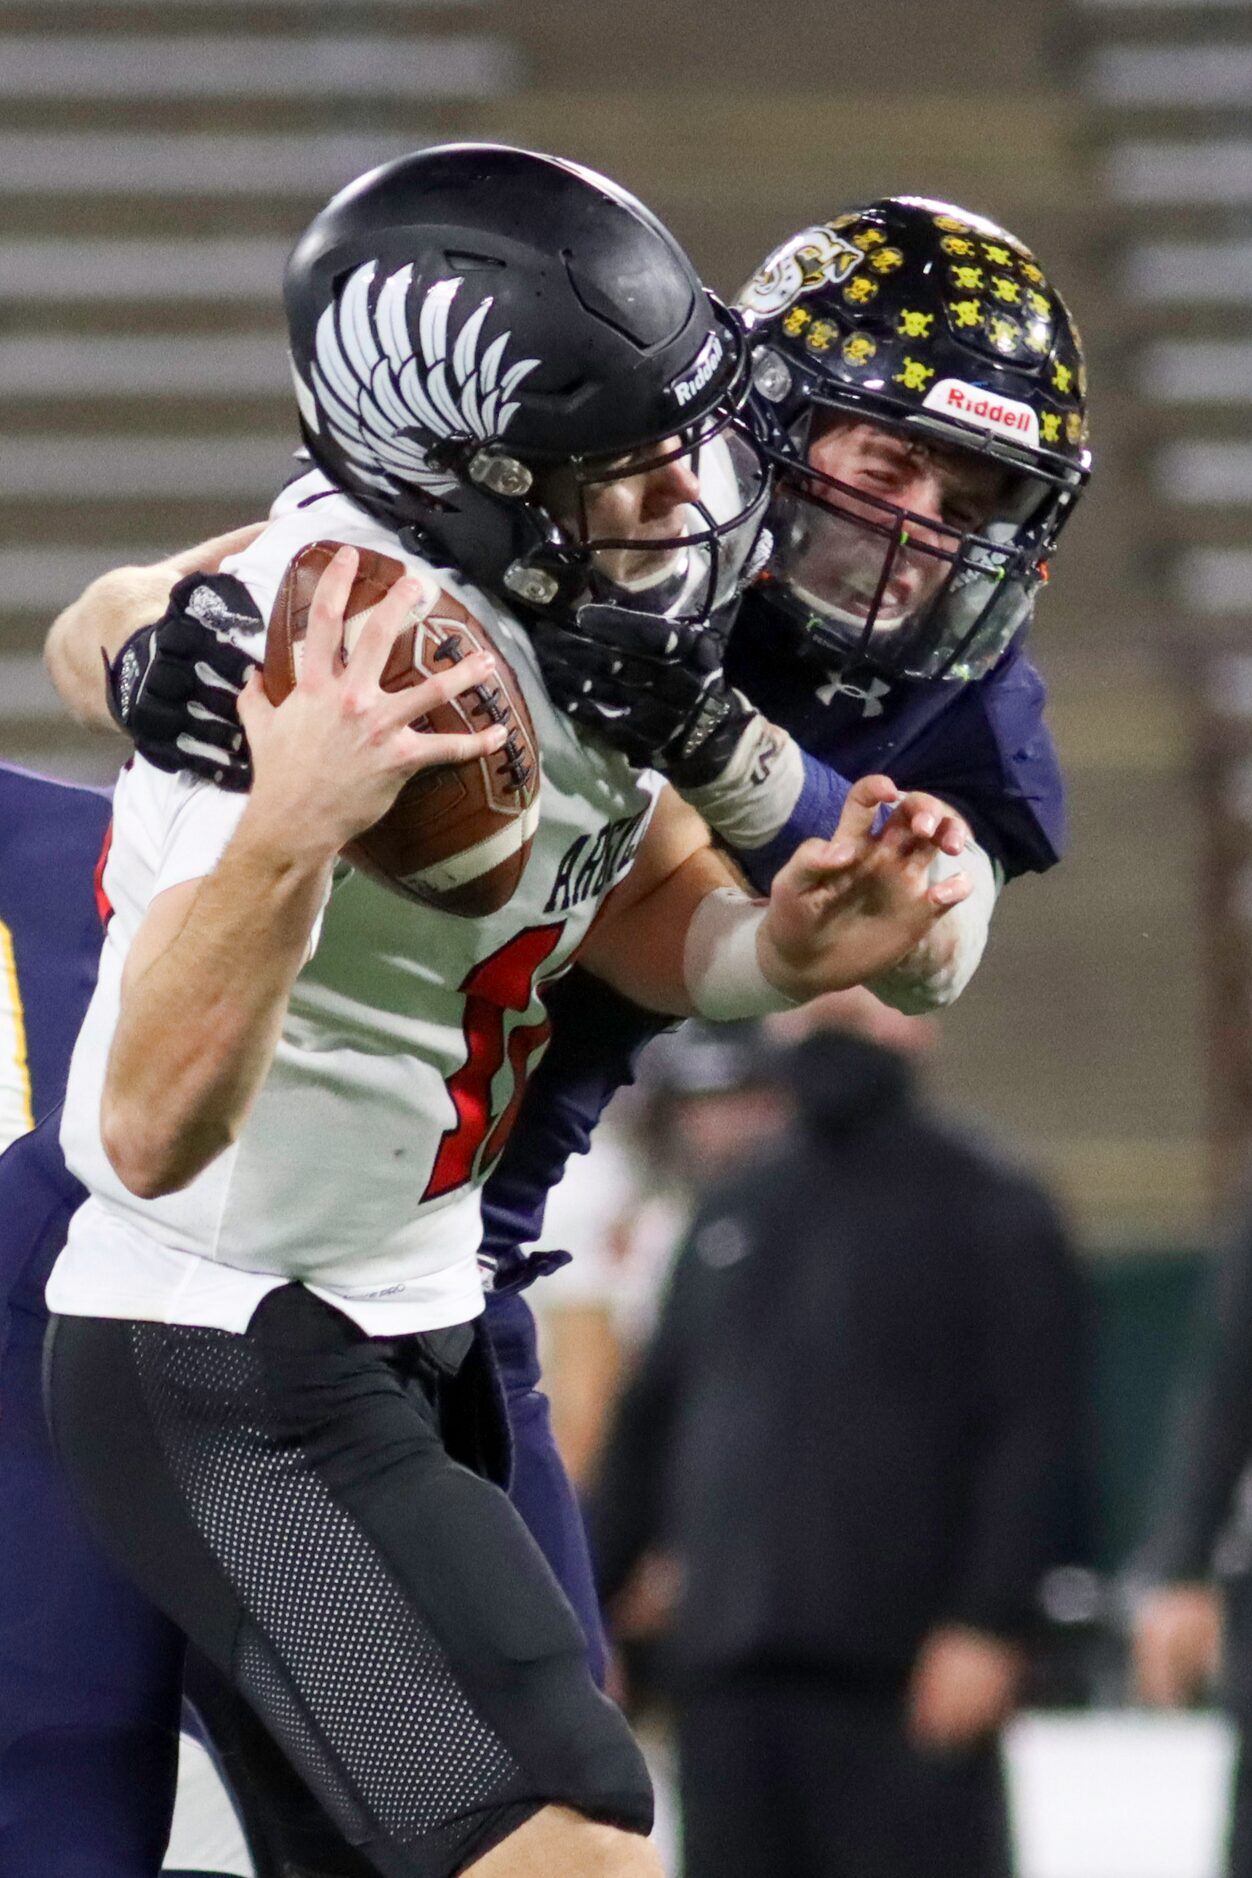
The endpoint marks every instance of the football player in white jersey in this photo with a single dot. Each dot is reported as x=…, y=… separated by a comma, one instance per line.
x=262, y=1373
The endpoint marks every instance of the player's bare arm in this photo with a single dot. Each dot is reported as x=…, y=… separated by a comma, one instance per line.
x=679, y=933
x=114, y=606
x=209, y=974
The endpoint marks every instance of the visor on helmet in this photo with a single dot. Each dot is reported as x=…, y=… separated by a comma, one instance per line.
x=674, y=533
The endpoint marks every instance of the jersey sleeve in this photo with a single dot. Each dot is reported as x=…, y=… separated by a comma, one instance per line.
x=817, y=810
x=989, y=754
x=184, y=824
x=187, y=823
x=992, y=757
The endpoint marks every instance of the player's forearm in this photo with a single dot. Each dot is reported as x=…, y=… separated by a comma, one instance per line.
x=641, y=951
x=770, y=797
x=200, y=1024
x=100, y=621
x=113, y=607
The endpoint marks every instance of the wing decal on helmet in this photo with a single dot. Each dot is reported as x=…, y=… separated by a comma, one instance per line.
x=383, y=404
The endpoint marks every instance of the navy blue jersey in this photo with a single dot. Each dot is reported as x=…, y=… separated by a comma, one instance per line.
x=51, y=835
x=983, y=747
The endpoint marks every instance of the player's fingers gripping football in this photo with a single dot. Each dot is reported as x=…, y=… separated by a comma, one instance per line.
x=331, y=758
x=323, y=640
x=365, y=664
x=433, y=748
x=370, y=644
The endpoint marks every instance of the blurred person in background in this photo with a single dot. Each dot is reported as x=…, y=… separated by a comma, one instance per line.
x=854, y=1438
x=1192, y=1626
x=582, y=1309
x=625, y=1206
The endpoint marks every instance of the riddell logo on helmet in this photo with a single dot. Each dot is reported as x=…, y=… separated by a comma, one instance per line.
x=972, y=405
x=709, y=357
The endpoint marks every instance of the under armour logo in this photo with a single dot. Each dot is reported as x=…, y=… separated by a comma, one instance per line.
x=871, y=695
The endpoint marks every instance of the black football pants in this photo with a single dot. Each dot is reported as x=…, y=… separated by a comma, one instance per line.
x=288, y=1497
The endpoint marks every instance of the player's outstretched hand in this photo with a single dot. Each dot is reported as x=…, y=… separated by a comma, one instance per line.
x=333, y=756
x=845, y=910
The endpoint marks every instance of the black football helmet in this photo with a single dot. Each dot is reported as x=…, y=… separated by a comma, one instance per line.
x=489, y=346
x=939, y=326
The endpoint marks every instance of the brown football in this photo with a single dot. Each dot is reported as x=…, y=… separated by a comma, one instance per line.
x=458, y=837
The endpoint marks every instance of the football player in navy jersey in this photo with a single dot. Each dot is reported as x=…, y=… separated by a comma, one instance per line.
x=90, y=1674
x=920, y=386
x=50, y=839
x=922, y=389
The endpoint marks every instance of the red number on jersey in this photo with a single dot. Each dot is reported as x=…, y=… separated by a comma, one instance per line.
x=503, y=982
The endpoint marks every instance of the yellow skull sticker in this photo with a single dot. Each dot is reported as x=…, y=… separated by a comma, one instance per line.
x=1039, y=303
x=861, y=291
x=952, y=223
x=914, y=375
x=796, y=321
x=1062, y=377
x=993, y=251
x=956, y=244
x=966, y=312
x=1032, y=272
x=819, y=336
x=1003, y=333
x=868, y=238
x=1074, y=427
x=1005, y=289
x=1038, y=338
x=915, y=325
x=968, y=279
x=1050, y=427
x=886, y=260
x=858, y=349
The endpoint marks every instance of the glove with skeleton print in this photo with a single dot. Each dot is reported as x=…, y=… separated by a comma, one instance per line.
x=172, y=687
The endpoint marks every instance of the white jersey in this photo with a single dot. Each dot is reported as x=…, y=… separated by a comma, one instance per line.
x=406, y=1044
